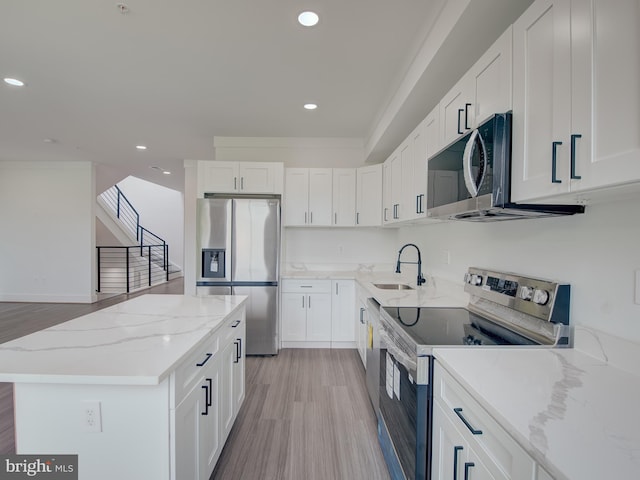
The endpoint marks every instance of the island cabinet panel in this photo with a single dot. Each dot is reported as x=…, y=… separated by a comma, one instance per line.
x=169, y=423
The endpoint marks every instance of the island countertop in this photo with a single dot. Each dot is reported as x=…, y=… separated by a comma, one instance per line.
x=137, y=342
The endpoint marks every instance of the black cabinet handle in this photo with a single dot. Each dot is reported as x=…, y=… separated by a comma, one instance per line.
x=467, y=466
x=209, y=355
x=236, y=323
x=208, y=389
x=357, y=218
x=235, y=360
x=456, y=449
x=384, y=216
x=460, y=110
x=241, y=183
x=573, y=156
x=362, y=315
x=235, y=183
x=466, y=115
x=239, y=348
x=466, y=422
x=554, y=160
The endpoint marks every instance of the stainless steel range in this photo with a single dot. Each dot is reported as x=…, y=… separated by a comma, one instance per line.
x=504, y=310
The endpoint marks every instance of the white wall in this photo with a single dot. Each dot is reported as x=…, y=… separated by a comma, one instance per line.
x=161, y=211
x=338, y=248
x=597, y=253
x=47, y=242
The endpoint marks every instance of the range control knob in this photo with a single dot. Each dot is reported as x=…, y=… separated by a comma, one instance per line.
x=541, y=297
x=526, y=293
x=476, y=279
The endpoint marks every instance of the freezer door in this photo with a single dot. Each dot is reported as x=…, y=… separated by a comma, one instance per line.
x=213, y=239
x=256, y=240
x=262, y=319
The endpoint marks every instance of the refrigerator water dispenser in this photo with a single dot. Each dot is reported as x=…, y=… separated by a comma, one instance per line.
x=213, y=262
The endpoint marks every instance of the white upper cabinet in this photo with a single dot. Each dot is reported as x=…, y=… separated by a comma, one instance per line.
x=418, y=197
x=369, y=196
x=307, y=197
x=239, y=177
x=576, y=124
x=484, y=90
x=344, y=197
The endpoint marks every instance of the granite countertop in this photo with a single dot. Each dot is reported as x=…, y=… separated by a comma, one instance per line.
x=137, y=342
x=436, y=292
x=575, y=414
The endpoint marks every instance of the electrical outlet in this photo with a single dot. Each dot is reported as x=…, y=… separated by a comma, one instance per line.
x=91, y=416
x=637, y=296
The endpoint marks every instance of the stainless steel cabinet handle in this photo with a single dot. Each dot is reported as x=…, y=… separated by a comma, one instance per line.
x=302, y=301
x=309, y=301
x=458, y=412
x=362, y=315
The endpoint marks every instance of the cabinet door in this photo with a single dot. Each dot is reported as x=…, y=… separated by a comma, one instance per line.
x=606, y=96
x=491, y=77
x=320, y=196
x=449, y=448
x=431, y=132
x=217, y=176
x=296, y=196
x=369, y=196
x=238, y=378
x=210, y=428
x=418, y=199
x=226, y=388
x=294, y=317
x=387, y=198
x=343, y=325
x=456, y=111
x=541, y=101
x=256, y=177
x=405, y=195
x=318, y=317
x=344, y=197
x=187, y=434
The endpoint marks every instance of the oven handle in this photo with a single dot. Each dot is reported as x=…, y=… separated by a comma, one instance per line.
x=408, y=363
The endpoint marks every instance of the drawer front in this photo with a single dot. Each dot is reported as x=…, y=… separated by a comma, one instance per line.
x=305, y=286
x=231, y=329
x=490, y=441
x=190, y=370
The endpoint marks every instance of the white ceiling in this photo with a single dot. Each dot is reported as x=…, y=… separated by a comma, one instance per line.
x=173, y=74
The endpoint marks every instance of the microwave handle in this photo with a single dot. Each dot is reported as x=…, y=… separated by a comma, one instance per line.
x=467, y=156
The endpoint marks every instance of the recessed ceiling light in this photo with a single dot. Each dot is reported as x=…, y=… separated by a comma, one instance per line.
x=50, y=140
x=308, y=19
x=14, y=81
x=310, y=106
x=141, y=147
x=166, y=172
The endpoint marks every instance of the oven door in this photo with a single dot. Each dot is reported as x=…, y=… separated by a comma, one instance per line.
x=405, y=408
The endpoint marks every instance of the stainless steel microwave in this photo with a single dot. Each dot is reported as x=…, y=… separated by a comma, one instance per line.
x=471, y=179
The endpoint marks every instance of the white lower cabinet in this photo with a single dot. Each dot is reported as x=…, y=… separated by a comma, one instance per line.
x=467, y=442
x=306, y=312
x=343, y=325
x=203, y=418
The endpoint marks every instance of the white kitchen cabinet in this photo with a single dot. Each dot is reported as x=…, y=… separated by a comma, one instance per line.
x=417, y=201
x=369, y=196
x=344, y=197
x=576, y=123
x=343, y=323
x=308, y=197
x=361, y=323
x=232, y=375
x=387, y=199
x=393, y=192
x=239, y=177
x=306, y=313
x=467, y=438
x=484, y=90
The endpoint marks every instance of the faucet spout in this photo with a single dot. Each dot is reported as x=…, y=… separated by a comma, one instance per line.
x=420, y=279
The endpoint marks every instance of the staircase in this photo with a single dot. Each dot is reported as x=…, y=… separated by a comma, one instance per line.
x=143, y=258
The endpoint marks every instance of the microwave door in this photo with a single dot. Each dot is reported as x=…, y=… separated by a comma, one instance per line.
x=474, y=163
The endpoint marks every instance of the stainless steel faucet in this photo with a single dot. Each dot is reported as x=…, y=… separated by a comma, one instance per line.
x=421, y=279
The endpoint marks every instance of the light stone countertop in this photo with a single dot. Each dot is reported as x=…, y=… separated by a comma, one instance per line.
x=575, y=414
x=436, y=292
x=137, y=342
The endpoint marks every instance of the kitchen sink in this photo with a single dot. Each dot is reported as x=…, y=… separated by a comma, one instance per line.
x=393, y=286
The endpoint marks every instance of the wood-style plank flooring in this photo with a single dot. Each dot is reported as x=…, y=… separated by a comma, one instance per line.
x=307, y=416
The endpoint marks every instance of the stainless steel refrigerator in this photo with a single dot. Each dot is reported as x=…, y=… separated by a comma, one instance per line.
x=238, y=248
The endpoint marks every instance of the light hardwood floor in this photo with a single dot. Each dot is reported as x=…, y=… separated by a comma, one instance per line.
x=306, y=414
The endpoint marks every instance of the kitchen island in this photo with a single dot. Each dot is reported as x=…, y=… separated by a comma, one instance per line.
x=145, y=389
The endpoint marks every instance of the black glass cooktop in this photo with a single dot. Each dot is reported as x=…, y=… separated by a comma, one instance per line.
x=452, y=326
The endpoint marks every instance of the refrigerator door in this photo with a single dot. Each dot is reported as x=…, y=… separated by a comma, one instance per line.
x=202, y=291
x=262, y=315
x=213, y=240
x=256, y=240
